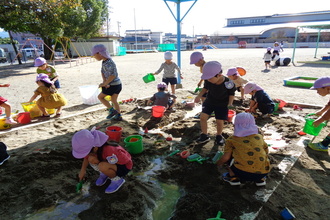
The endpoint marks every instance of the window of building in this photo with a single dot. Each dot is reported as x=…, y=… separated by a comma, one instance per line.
x=237, y=22
x=257, y=21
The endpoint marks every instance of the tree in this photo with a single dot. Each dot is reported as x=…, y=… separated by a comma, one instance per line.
x=51, y=19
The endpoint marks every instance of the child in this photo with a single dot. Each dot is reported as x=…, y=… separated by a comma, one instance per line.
x=162, y=98
x=233, y=74
x=4, y=104
x=43, y=67
x=3, y=153
x=259, y=100
x=169, y=68
x=249, y=153
x=268, y=58
x=322, y=86
x=198, y=59
x=111, y=160
x=50, y=98
x=276, y=49
x=220, y=96
x=111, y=84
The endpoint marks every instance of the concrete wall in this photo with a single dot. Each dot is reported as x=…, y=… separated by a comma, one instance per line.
x=84, y=48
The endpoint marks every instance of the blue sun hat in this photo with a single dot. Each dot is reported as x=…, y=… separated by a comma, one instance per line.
x=168, y=55
x=210, y=69
x=321, y=82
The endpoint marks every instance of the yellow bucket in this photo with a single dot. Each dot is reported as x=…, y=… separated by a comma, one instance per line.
x=34, y=110
x=3, y=125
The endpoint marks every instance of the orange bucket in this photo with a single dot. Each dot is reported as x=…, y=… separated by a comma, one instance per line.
x=231, y=114
x=114, y=133
x=24, y=118
x=158, y=111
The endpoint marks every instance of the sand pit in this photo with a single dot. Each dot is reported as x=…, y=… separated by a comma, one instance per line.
x=39, y=179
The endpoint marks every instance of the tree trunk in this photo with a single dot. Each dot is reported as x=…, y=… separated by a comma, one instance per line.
x=15, y=49
x=48, y=48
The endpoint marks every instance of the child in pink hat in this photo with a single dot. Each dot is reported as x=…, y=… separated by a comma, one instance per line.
x=50, y=98
x=111, y=160
x=163, y=98
x=246, y=152
x=322, y=86
x=233, y=74
x=259, y=100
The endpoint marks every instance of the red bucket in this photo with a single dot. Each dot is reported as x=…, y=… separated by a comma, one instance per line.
x=158, y=111
x=24, y=118
x=231, y=114
x=114, y=133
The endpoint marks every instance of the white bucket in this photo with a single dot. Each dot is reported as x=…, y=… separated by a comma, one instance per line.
x=89, y=94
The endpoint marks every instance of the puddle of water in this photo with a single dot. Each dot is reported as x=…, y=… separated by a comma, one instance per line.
x=273, y=139
x=194, y=111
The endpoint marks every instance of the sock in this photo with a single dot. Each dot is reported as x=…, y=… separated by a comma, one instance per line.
x=326, y=141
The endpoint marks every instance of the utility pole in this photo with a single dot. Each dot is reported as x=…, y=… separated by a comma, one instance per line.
x=118, y=22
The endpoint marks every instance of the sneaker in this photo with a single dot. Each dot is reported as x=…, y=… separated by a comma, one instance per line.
x=117, y=117
x=317, y=146
x=101, y=180
x=232, y=180
x=10, y=121
x=261, y=182
x=219, y=140
x=115, y=184
x=202, y=139
x=112, y=112
x=2, y=160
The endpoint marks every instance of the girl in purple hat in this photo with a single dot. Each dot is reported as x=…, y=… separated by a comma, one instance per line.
x=50, y=98
x=111, y=160
x=246, y=152
x=43, y=67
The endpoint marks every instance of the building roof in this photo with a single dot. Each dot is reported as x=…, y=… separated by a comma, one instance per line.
x=260, y=29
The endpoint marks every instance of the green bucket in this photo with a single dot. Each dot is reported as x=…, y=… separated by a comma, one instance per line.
x=148, y=78
x=134, y=144
x=309, y=128
x=276, y=106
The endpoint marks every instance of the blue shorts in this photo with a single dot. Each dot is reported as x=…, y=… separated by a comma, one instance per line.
x=172, y=81
x=57, y=84
x=122, y=170
x=220, y=112
x=246, y=176
x=112, y=90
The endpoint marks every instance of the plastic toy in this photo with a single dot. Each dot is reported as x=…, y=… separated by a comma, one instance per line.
x=217, y=156
x=196, y=157
x=184, y=154
x=79, y=186
x=174, y=153
x=218, y=217
x=197, y=89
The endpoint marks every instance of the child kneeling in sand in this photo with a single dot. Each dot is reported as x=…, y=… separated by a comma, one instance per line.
x=248, y=151
x=162, y=98
x=259, y=100
x=111, y=160
x=322, y=86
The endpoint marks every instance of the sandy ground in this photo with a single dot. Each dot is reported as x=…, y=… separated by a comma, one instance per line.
x=39, y=179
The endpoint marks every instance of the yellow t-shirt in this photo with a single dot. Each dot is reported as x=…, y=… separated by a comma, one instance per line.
x=250, y=153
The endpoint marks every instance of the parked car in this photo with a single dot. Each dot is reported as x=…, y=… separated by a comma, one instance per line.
x=3, y=57
x=32, y=52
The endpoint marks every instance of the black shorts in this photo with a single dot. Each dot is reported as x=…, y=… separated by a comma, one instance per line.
x=122, y=170
x=220, y=112
x=112, y=90
x=172, y=81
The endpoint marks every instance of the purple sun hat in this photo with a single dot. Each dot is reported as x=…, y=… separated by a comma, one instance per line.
x=210, y=69
x=101, y=49
x=321, y=82
x=250, y=86
x=195, y=57
x=232, y=72
x=245, y=125
x=39, y=61
x=83, y=141
x=43, y=77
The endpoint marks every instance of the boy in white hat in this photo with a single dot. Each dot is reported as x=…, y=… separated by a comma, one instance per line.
x=246, y=152
x=259, y=100
x=220, y=96
x=169, y=68
x=322, y=86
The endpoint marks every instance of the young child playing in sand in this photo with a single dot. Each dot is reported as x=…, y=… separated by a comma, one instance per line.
x=111, y=84
x=4, y=104
x=169, y=68
x=197, y=58
x=111, y=160
x=233, y=74
x=259, y=100
x=50, y=98
x=268, y=58
x=220, y=96
x=246, y=152
x=322, y=87
x=3, y=153
x=43, y=67
x=162, y=98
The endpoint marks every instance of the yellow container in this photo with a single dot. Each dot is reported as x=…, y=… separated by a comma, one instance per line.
x=3, y=125
x=34, y=110
x=108, y=98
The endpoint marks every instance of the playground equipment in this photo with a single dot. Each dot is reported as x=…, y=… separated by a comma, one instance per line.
x=300, y=81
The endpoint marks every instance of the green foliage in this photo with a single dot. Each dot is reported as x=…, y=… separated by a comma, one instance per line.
x=7, y=41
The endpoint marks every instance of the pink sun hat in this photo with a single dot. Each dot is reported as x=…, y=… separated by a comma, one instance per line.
x=101, y=49
x=83, y=141
x=250, y=86
x=245, y=125
x=43, y=77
